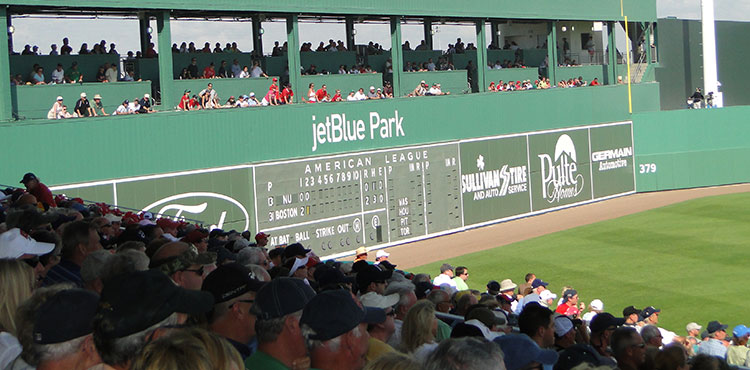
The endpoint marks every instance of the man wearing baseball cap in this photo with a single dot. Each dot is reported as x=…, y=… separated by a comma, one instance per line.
x=631, y=315
x=40, y=191
x=738, y=354
x=138, y=307
x=650, y=316
x=714, y=346
x=445, y=277
x=16, y=244
x=381, y=256
x=278, y=308
x=537, y=287
x=381, y=332
x=693, y=335
x=62, y=334
x=569, y=305
x=261, y=239
x=335, y=327
x=602, y=326
x=233, y=287
x=183, y=264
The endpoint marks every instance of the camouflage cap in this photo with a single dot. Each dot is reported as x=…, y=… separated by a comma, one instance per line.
x=183, y=261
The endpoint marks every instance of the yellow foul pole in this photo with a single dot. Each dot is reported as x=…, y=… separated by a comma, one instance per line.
x=627, y=52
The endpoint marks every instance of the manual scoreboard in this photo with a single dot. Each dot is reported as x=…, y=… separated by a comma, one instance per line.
x=337, y=203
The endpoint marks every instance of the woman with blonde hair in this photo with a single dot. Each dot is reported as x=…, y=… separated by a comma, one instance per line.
x=16, y=284
x=419, y=330
x=189, y=349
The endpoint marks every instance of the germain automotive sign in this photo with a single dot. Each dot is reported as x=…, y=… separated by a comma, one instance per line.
x=336, y=203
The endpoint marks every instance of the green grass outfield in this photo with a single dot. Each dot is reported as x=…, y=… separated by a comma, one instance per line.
x=689, y=259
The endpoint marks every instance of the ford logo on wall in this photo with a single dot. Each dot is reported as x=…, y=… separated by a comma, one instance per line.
x=202, y=206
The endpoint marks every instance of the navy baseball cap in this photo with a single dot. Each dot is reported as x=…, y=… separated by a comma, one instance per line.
x=66, y=315
x=604, y=321
x=334, y=312
x=538, y=282
x=295, y=249
x=281, y=297
x=28, y=177
x=133, y=302
x=230, y=281
x=648, y=311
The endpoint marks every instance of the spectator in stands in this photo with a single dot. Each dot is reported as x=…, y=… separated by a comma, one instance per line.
x=83, y=107
x=536, y=322
x=112, y=49
x=335, y=328
x=693, y=335
x=372, y=94
x=351, y=97
x=278, y=307
x=53, y=50
x=185, y=266
x=697, y=98
x=209, y=97
x=68, y=346
x=271, y=97
x=252, y=100
x=287, y=94
x=146, y=103
x=111, y=73
x=209, y=71
x=138, y=307
x=445, y=277
x=192, y=69
x=714, y=346
x=321, y=95
x=337, y=96
x=360, y=94
x=628, y=348
x=122, y=108
x=235, y=69
x=521, y=352
x=631, y=315
x=98, y=106
x=73, y=75
x=245, y=73
x=37, y=77
x=466, y=354
x=602, y=326
x=256, y=71
x=79, y=240
x=65, y=49
x=738, y=353
x=151, y=51
x=569, y=305
x=595, y=307
x=419, y=331
x=537, y=286
x=54, y=112
x=462, y=274
x=233, y=288
x=101, y=75
x=206, y=351
x=84, y=49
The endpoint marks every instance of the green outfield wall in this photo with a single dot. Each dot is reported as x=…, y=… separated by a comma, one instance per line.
x=691, y=148
x=337, y=203
x=239, y=136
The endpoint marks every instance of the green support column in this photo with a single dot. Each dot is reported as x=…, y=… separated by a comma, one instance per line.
x=611, y=54
x=169, y=95
x=350, y=43
x=647, y=44
x=495, y=37
x=6, y=104
x=257, y=37
x=552, y=52
x=428, y=33
x=481, y=56
x=143, y=23
x=396, y=55
x=293, y=57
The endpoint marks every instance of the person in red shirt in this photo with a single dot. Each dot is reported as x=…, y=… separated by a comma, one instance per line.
x=287, y=94
x=322, y=94
x=595, y=82
x=194, y=104
x=185, y=101
x=38, y=190
x=209, y=72
x=569, y=307
x=337, y=96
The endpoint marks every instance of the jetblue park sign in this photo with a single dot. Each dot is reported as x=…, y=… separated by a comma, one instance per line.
x=338, y=127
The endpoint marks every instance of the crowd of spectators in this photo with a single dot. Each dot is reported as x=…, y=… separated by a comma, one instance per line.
x=85, y=285
x=85, y=108
x=540, y=83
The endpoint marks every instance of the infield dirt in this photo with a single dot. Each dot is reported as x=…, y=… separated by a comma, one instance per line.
x=448, y=246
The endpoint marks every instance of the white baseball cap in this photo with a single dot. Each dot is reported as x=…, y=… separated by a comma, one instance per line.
x=597, y=305
x=382, y=253
x=14, y=244
x=545, y=295
x=372, y=299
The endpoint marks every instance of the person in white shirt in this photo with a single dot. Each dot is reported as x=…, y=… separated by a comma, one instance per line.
x=134, y=106
x=256, y=71
x=351, y=97
x=342, y=69
x=360, y=95
x=122, y=109
x=245, y=73
x=252, y=101
x=445, y=277
x=596, y=307
x=111, y=73
x=58, y=75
